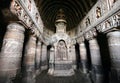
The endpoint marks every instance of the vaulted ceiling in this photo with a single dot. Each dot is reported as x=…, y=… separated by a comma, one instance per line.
x=74, y=10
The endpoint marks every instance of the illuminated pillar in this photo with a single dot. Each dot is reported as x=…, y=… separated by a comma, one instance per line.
x=114, y=48
x=11, y=52
x=83, y=57
x=97, y=69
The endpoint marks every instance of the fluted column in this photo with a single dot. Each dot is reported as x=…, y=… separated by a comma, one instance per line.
x=29, y=60
x=97, y=69
x=114, y=48
x=38, y=56
x=83, y=57
x=11, y=52
x=44, y=64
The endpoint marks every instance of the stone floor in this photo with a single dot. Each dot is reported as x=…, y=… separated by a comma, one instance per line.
x=77, y=78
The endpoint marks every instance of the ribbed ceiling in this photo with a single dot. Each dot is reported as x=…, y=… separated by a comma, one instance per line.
x=74, y=10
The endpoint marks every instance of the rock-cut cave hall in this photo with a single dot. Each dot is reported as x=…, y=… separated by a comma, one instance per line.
x=59, y=41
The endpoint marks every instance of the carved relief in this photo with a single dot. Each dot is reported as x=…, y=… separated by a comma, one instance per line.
x=107, y=24
x=98, y=12
x=18, y=9
x=87, y=22
x=98, y=27
x=29, y=5
x=61, y=51
x=36, y=17
x=23, y=10
x=91, y=34
x=116, y=19
x=112, y=2
x=80, y=39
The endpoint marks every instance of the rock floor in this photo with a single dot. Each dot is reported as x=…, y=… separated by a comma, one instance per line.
x=77, y=78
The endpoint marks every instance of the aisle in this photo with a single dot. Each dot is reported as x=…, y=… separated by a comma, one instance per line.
x=77, y=78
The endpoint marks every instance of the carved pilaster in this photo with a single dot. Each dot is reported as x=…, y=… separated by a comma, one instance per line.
x=11, y=52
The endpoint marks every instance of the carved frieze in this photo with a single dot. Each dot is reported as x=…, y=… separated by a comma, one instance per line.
x=24, y=9
x=108, y=20
x=112, y=23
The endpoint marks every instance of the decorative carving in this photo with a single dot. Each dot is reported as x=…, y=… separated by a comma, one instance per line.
x=87, y=22
x=36, y=17
x=91, y=34
x=107, y=24
x=112, y=2
x=61, y=51
x=22, y=9
x=18, y=9
x=80, y=39
x=29, y=5
x=116, y=19
x=98, y=12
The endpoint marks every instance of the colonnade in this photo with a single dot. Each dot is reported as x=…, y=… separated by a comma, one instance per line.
x=12, y=54
x=35, y=56
x=97, y=71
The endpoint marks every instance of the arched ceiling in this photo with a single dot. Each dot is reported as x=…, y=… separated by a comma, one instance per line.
x=74, y=10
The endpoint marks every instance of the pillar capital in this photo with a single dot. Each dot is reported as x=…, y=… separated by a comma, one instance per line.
x=16, y=26
x=80, y=39
x=91, y=34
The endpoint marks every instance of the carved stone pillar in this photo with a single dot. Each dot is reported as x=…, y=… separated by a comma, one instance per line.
x=51, y=61
x=37, y=57
x=97, y=69
x=11, y=52
x=44, y=64
x=29, y=60
x=83, y=56
x=73, y=53
x=114, y=48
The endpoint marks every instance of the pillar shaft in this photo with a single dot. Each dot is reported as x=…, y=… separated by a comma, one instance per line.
x=114, y=48
x=30, y=50
x=38, y=56
x=73, y=53
x=44, y=64
x=11, y=52
x=29, y=60
x=51, y=61
x=97, y=69
x=83, y=57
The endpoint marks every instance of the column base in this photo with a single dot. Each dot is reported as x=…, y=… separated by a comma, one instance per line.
x=115, y=76
x=28, y=78
x=97, y=75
